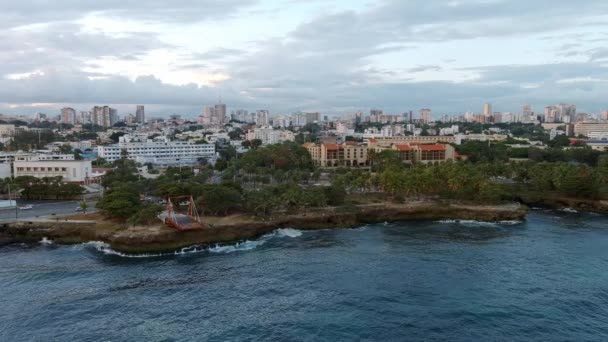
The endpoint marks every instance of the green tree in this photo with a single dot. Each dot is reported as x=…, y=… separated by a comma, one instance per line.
x=219, y=200
x=122, y=202
x=84, y=206
x=146, y=215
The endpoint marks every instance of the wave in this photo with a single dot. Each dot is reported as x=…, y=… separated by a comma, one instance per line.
x=247, y=245
x=45, y=241
x=239, y=246
x=288, y=232
x=479, y=223
x=569, y=210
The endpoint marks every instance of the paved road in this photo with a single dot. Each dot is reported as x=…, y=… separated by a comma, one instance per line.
x=44, y=209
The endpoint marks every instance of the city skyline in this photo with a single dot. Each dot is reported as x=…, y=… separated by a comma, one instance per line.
x=286, y=56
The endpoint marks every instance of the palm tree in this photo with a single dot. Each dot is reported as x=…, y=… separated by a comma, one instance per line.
x=84, y=206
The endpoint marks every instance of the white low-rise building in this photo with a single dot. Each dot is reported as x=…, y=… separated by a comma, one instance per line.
x=162, y=153
x=79, y=171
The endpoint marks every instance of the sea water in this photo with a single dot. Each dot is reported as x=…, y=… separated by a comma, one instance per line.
x=545, y=279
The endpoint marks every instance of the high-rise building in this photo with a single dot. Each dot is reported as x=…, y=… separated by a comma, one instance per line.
x=140, y=114
x=84, y=118
x=262, y=117
x=220, y=113
x=487, y=110
x=68, y=115
x=312, y=117
x=526, y=114
x=567, y=112
x=358, y=117
x=425, y=115
x=104, y=116
x=375, y=114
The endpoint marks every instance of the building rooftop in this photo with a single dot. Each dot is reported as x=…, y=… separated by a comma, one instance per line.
x=435, y=147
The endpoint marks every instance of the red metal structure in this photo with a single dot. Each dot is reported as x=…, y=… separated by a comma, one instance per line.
x=191, y=221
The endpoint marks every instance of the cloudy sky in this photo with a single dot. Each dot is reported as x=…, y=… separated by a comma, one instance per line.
x=336, y=56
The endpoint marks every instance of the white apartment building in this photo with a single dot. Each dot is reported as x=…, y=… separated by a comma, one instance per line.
x=270, y=136
x=162, y=153
x=78, y=171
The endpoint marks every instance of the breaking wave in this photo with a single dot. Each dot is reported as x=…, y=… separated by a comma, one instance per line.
x=479, y=223
x=288, y=232
x=569, y=210
x=46, y=241
x=247, y=245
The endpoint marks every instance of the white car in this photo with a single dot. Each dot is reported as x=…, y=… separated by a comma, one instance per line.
x=26, y=207
x=78, y=209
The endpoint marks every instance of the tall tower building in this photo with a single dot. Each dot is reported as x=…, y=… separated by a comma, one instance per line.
x=262, y=117
x=312, y=117
x=425, y=115
x=140, y=114
x=68, y=115
x=104, y=116
x=487, y=110
x=375, y=114
x=220, y=113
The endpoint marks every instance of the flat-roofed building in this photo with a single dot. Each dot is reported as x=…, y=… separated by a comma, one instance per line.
x=269, y=135
x=163, y=153
x=77, y=171
x=353, y=154
x=590, y=128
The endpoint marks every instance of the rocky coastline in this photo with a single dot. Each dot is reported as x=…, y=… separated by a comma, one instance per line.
x=232, y=229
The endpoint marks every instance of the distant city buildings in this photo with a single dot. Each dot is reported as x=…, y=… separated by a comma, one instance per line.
x=269, y=136
x=140, y=114
x=262, y=117
x=104, y=116
x=68, y=115
x=487, y=110
x=213, y=115
x=425, y=116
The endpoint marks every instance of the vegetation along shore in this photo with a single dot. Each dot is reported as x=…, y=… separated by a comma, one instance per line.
x=278, y=186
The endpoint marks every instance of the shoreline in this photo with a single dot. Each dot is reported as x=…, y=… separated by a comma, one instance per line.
x=237, y=228
x=156, y=239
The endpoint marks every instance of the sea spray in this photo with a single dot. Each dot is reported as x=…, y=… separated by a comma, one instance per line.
x=46, y=241
x=247, y=245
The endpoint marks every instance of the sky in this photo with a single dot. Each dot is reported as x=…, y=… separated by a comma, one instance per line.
x=332, y=56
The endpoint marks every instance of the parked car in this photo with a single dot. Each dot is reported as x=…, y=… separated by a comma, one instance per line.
x=26, y=207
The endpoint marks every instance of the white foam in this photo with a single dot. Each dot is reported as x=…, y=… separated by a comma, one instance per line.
x=288, y=232
x=510, y=223
x=105, y=248
x=46, y=241
x=469, y=223
x=247, y=245
x=241, y=246
x=569, y=210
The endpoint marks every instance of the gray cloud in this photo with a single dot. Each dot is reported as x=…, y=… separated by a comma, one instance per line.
x=26, y=12
x=326, y=63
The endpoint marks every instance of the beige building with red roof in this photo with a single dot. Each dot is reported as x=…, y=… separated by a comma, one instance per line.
x=353, y=154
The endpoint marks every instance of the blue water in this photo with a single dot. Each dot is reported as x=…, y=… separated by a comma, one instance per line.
x=542, y=280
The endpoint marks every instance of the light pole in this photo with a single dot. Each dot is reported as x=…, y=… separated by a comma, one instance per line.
x=9, y=201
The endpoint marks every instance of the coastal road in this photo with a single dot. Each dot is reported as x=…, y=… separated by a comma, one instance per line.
x=44, y=209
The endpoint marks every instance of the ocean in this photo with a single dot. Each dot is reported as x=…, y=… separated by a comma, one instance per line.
x=545, y=279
